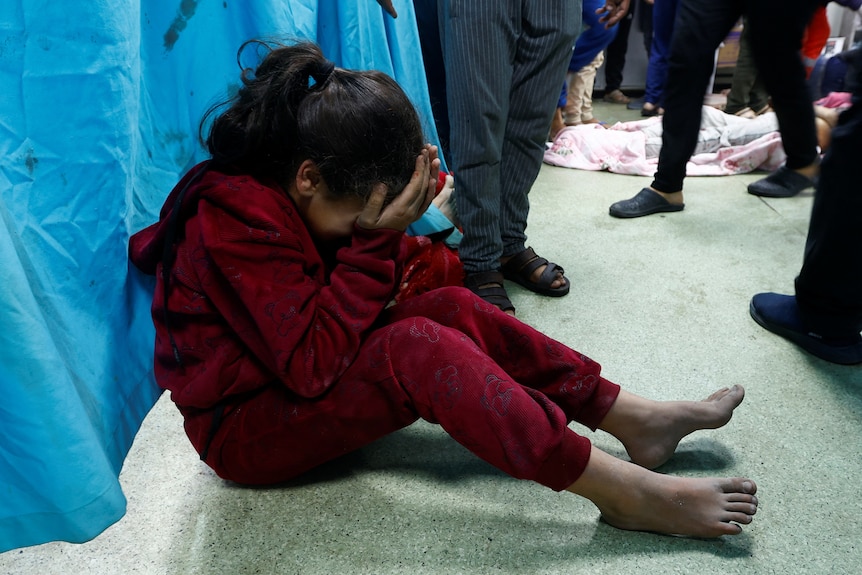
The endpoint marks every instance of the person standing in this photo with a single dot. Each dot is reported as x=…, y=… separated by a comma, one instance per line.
x=777, y=27
x=824, y=317
x=748, y=96
x=504, y=61
x=615, y=60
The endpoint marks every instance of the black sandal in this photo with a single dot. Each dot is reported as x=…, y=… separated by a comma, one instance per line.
x=520, y=267
x=489, y=287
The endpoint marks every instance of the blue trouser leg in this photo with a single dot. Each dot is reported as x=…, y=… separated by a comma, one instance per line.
x=663, y=18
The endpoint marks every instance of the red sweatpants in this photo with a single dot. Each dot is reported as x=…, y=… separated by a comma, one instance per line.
x=500, y=388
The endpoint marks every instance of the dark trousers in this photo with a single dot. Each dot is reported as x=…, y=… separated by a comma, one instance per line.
x=615, y=53
x=777, y=27
x=829, y=287
x=747, y=89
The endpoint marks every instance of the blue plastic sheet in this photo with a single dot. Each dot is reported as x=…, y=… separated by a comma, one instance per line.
x=99, y=109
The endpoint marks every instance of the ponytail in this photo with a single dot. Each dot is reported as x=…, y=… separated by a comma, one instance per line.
x=357, y=126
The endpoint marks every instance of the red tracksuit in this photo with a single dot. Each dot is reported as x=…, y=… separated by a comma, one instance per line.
x=287, y=355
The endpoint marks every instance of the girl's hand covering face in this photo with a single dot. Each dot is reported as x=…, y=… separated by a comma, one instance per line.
x=410, y=204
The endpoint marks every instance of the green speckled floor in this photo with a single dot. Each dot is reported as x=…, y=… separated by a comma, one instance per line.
x=662, y=303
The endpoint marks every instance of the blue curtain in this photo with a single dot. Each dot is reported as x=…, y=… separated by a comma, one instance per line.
x=99, y=109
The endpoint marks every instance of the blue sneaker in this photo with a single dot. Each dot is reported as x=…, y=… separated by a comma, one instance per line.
x=780, y=315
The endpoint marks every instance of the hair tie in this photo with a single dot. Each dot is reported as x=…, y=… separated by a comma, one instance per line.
x=322, y=73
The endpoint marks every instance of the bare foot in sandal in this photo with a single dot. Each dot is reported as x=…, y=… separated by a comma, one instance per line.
x=489, y=286
x=535, y=273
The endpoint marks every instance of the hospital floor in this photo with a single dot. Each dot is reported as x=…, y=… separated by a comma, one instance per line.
x=662, y=303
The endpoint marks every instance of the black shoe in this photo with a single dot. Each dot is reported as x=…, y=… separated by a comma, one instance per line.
x=780, y=315
x=644, y=203
x=782, y=183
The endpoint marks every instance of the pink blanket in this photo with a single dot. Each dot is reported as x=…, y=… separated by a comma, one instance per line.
x=622, y=149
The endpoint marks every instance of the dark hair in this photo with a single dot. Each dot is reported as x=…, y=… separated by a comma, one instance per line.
x=358, y=127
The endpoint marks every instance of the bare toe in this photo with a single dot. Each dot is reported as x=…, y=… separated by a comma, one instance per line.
x=631, y=497
x=733, y=395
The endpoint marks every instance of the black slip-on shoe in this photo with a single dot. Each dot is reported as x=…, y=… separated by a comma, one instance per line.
x=782, y=183
x=644, y=203
x=779, y=314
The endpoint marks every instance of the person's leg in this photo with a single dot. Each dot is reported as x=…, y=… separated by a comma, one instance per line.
x=465, y=381
x=744, y=74
x=825, y=316
x=498, y=387
x=510, y=422
x=628, y=494
x=664, y=16
x=543, y=52
x=615, y=60
x=583, y=65
x=758, y=96
x=699, y=28
x=571, y=380
x=579, y=99
x=499, y=114
x=649, y=430
x=479, y=40
x=576, y=85
x=829, y=286
x=645, y=18
x=589, y=82
x=776, y=40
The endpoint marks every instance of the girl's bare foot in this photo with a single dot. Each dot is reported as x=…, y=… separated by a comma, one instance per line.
x=651, y=430
x=631, y=497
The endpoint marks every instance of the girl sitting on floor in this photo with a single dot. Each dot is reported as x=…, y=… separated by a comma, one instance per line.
x=277, y=262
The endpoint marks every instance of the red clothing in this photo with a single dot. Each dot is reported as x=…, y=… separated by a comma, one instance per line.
x=251, y=298
x=295, y=351
x=815, y=38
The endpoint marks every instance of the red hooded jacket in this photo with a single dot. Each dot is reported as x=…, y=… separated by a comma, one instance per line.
x=251, y=301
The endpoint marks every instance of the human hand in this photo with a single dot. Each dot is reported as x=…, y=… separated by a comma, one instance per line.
x=409, y=205
x=387, y=5
x=613, y=11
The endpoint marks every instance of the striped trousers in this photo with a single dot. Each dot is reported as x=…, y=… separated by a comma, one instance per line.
x=505, y=61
